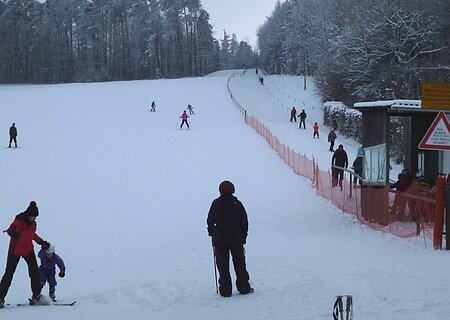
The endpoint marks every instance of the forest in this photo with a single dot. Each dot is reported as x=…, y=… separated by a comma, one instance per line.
x=60, y=41
x=359, y=50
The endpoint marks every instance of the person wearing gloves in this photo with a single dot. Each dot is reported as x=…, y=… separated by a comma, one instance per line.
x=22, y=232
x=47, y=269
x=228, y=226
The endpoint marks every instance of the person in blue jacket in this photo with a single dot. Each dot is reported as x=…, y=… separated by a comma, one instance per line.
x=47, y=269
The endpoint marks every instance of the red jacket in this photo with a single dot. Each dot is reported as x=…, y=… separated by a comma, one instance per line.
x=23, y=246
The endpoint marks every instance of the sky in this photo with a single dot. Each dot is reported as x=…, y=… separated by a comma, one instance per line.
x=240, y=17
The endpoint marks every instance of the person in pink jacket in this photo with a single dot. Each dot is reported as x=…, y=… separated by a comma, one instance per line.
x=184, y=118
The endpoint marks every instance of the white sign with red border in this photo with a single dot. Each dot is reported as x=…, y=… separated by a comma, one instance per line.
x=438, y=135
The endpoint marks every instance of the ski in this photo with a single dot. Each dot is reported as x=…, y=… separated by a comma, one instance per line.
x=65, y=304
x=71, y=304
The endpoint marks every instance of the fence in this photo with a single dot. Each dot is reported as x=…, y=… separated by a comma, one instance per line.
x=404, y=214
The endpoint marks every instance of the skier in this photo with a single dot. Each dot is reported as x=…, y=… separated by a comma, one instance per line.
x=184, y=118
x=47, y=269
x=12, y=135
x=357, y=169
x=191, y=109
x=339, y=159
x=153, y=106
x=316, y=130
x=331, y=138
x=22, y=232
x=228, y=227
x=293, y=115
x=302, y=117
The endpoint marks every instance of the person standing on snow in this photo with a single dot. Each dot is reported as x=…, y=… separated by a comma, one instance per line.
x=339, y=159
x=315, y=130
x=293, y=115
x=302, y=117
x=23, y=232
x=47, y=269
x=228, y=226
x=12, y=135
x=184, y=118
x=331, y=138
x=153, y=107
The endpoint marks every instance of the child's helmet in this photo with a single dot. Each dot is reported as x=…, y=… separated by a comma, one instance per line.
x=51, y=249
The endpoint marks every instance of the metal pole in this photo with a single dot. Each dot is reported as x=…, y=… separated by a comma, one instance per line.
x=215, y=269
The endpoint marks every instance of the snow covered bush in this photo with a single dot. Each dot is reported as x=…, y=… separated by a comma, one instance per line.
x=343, y=119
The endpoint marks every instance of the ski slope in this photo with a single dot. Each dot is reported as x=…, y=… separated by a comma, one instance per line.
x=123, y=194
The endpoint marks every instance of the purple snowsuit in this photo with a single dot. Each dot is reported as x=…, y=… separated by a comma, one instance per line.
x=47, y=269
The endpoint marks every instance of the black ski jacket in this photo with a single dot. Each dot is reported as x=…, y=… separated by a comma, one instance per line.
x=12, y=131
x=227, y=221
x=340, y=159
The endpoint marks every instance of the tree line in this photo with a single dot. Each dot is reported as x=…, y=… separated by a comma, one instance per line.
x=60, y=41
x=359, y=50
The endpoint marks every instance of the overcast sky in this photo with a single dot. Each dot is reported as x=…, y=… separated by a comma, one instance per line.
x=242, y=17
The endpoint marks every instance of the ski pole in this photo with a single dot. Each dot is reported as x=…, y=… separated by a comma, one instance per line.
x=215, y=269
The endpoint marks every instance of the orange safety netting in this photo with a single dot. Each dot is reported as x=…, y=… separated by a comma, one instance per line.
x=403, y=214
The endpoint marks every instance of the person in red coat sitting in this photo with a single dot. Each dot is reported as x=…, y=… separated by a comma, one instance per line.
x=23, y=232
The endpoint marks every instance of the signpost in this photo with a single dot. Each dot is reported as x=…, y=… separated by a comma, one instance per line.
x=436, y=96
x=438, y=135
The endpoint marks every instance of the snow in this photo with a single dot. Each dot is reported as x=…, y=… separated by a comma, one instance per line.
x=123, y=194
x=410, y=104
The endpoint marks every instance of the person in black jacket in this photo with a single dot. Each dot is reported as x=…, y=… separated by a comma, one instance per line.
x=228, y=227
x=12, y=135
x=339, y=159
x=302, y=117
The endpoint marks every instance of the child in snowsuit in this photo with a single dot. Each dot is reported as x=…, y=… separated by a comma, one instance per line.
x=184, y=118
x=316, y=130
x=191, y=109
x=47, y=269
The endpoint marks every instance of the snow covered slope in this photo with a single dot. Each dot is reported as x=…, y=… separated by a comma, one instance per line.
x=123, y=195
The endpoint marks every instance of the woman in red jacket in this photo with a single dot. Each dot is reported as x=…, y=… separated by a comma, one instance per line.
x=22, y=232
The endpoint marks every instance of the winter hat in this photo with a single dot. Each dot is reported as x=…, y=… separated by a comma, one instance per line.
x=226, y=187
x=32, y=210
x=51, y=249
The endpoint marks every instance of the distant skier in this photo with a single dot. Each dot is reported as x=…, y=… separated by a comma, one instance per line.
x=293, y=115
x=191, y=109
x=331, y=138
x=261, y=80
x=23, y=232
x=315, y=130
x=47, y=269
x=302, y=117
x=153, y=106
x=12, y=135
x=184, y=118
x=228, y=226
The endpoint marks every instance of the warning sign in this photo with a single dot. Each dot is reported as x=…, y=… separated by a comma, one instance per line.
x=436, y=96
x=438, y=135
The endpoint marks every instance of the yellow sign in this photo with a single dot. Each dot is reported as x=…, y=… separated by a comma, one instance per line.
x=436, y=96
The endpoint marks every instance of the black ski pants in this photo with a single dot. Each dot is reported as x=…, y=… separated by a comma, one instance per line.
x=11, y=139
x=183, y=122
x=33, y=272
x=223, y=265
